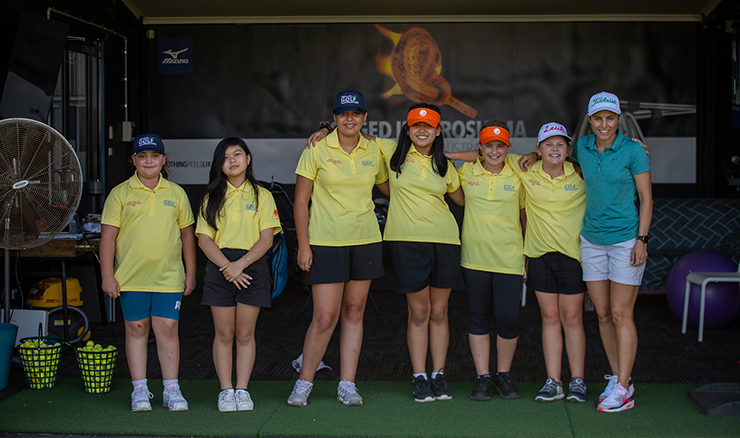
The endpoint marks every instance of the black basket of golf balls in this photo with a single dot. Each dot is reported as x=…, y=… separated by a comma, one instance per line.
x=40, y=360
x=96, y=364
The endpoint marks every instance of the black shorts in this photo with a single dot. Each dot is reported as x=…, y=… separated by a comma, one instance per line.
x=422, y=264
x=340, y=264
x=221, y=293
x=555, y=273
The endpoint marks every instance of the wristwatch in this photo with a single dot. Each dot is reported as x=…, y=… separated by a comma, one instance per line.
x=645, y=239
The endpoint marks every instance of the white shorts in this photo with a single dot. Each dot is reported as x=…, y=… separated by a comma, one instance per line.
x=610, y=262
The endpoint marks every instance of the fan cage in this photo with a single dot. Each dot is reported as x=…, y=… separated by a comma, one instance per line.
x=40, y=183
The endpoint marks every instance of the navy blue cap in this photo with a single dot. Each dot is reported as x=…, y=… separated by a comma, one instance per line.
x=148, y=142
x=349, y=100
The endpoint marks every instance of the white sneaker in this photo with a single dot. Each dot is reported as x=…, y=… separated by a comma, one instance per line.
x=243, y=400
x=619, y=400
x=612, y=382
x=226, y=402
x=300, y=394
x=173, y=400
x=347, y=394
x=140, y=399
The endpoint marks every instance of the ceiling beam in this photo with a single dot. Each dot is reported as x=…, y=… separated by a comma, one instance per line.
x=416, y=19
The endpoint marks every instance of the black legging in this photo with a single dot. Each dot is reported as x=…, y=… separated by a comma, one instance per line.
x=487, y=288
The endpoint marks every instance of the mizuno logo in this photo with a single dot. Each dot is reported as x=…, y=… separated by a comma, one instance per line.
x=174, y=55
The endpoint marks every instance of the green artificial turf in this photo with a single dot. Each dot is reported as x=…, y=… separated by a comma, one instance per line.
x=389, y=411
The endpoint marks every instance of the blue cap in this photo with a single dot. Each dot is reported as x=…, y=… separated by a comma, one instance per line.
x=349, y=100
x=148, y=142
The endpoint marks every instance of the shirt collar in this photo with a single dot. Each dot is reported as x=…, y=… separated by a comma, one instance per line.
x=618, y=142
x=332, y=140
x=412, y=150
x=478, y=169
x=246, y=188
x=567, y=169
x=135, y=183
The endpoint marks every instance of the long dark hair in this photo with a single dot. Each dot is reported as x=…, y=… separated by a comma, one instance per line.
x=439, y=161
x=216, y=191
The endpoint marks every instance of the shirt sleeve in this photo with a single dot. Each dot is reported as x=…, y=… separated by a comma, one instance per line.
x=640, y=163
x=185, y=216
x=112, y=210
x=308, y=163
x=268, y=214
x=382, y=175
x=387, y=147
x=453, y=179
x=202, y=227
x=513, y=161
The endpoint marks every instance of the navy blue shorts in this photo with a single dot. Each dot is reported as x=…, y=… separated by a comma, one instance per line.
x=340, y=264
x=422, y=264
x=221, y=293
x=555, y=273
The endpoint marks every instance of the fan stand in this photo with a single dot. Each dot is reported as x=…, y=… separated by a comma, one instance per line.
x=6, y=301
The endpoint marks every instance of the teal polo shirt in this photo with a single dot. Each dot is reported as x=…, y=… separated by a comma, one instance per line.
x=612, y=213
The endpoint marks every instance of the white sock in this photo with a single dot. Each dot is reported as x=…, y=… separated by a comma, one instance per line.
x=421, y=374
x=435, y=374
x=139, y=382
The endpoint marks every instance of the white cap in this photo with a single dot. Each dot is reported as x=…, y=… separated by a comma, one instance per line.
x=551, y=129
x=604, y=101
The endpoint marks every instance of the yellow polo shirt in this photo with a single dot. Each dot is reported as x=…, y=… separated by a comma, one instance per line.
x=241, y=221
x=342, y=209
x=555, y=209
x=148, y=252
x=492, y=232
x=418, y=211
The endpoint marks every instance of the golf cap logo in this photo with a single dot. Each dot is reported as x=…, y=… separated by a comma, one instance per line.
x=423, y=113
x=496, y=131
x=599, y=100
x=346, y=100
x=144, y=141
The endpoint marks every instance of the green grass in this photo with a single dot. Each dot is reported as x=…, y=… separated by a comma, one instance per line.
x=389, y=411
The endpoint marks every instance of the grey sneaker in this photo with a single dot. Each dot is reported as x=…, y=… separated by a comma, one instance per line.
x=577, y=390
x=226, y=402
x=243, y=400
x=553, y=390
x=173, y=400
x=347, y=394
x=300, y=394
x=611, y=383
x=140, y=399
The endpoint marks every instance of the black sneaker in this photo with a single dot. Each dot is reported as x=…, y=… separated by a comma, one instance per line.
x=483, y=389
x=440, y=389
x=422, y=391
x=504, y=386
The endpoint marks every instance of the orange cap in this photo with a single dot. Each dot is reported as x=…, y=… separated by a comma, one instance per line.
x=426, y=115
x=491, y=133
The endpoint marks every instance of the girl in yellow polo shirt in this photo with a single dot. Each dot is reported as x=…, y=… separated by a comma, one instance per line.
x=492, y=258
x=236, y=225
x=147, y=232
x=556, y=203
x=424, y=240
x=340, y=245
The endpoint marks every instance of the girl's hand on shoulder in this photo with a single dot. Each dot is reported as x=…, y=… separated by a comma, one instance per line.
x=647, y=152
x=111, y=287
x=315, y=138
x=527, y=160
x=304, y=258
